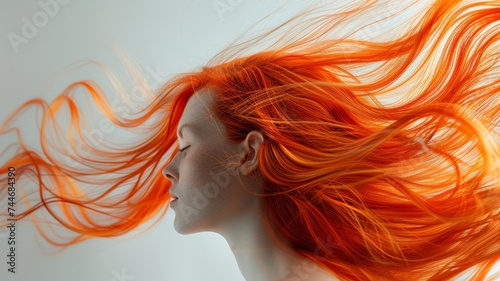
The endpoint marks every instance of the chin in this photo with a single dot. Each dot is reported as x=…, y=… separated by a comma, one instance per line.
x=181, y=228
x=185, y=228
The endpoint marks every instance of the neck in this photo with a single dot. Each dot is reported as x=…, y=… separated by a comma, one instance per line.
x=260, y=258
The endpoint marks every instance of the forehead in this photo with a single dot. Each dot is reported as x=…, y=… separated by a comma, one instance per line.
x=198, y=107
x=197, y=112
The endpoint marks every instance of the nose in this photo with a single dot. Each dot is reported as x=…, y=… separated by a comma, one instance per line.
x=170, y=171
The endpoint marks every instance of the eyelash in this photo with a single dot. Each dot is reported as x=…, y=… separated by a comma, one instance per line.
x=182, y=150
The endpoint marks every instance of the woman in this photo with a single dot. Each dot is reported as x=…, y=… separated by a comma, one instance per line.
x=323, y=158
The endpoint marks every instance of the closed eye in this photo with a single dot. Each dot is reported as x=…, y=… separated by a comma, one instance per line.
x=181, y=150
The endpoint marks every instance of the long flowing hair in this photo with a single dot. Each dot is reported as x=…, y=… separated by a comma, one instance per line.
x=381, y=158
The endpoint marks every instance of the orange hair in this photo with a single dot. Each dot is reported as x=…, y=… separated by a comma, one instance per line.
x=381, y=159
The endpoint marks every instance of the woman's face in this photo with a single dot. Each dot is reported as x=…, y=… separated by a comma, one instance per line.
x=209, y=195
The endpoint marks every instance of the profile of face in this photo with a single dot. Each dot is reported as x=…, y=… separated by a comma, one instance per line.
x=206, y=194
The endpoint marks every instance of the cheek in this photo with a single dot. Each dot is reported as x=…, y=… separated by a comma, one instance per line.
x=208, y=189
x=201, y=179
x=203, y=205
x=209, y=186
x=204, y=166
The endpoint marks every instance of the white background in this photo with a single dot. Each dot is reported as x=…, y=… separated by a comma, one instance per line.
x=165, y=37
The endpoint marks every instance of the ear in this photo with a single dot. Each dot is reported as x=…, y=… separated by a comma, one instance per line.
x=249, y=156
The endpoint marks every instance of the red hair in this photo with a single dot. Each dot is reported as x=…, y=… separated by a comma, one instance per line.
x=372, y=188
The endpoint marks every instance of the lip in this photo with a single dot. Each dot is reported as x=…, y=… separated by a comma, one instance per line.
x=173, y=198
x=173, y=202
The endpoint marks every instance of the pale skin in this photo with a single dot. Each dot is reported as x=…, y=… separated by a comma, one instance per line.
x=210, y=197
